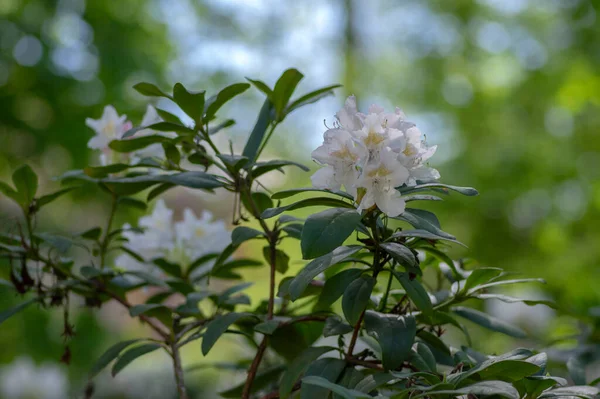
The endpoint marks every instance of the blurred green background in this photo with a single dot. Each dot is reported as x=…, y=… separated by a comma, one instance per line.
x=508, y=89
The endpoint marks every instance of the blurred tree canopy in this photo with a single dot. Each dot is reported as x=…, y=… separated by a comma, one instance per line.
x=509, y=89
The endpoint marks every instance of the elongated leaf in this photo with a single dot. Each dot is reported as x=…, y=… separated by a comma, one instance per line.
x=217, y=327
x=110, y=354
x=395, y=335
x=334, y=325
x=295, y=191
x=137, y=310
x=356, y=298
x=326, y=368
x=346, y=393
x=299, y=366
x=233, y=162
x=242, y=233
x=192, y=103
x=150, y=90
x=577, y=391
x=421, y=187
x=417, y=219
x=316, y=266
x=484, y=388
x=506, y=282
x=5, y=314
x=10, y=192
x=415, y=292
x=284, y=88
x=325, y=231
x=424, y=234
x=130, y=145
x=224, y=95
x=510, y=299
x=422, y=357
x=48, y=198
x=26, y=183
x=576, y=370
x=480, y=276
x=262, y=86
x=323, y=201
x=126, y=358
x=258, y=133
x=489, y=322
x=311, y=97
x=335, y=286
x=261, y=381
x=261, y=168
x=400, y=253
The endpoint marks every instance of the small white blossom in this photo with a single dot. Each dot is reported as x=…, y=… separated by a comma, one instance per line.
x=178, y=242
x=24, y=380
x=371, y=155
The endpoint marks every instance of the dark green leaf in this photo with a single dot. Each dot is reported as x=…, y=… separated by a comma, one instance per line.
x=422, y=358
x=192, y=103
x=284, y=88
x=131, y=355
x=356, y=298
x=233, y=162
x=293, y=230
x=295, y=191
x=132, y=203
x=312, y=269
x=489, y=322
x=150, y=90
x=484, y=388
x=311, y=97
x=167, y=116
x=260, y=168
x=323, y=201
x=506, y=282
x=110, y=354
x=423, y=234
x=327, y=368
x=137, y=310
x=420, y=187
x=48, y=198
x=242, y=233
x=395, y=335
x=282, y=260
x=258, y=133
x=510, y=299
x=260, y=382
x=480, y=276
x=346, y=393
x=148, y=278
x=335, y=286
x=576, y=369
x=170, y=268
x=10, y=192
x=298, y=367
x=128, y=145
x=325, y=231
x=578, y=391
x=334, y=325
x=26, y=183
x=224, y=95
x=267, y=327
x=61, y=243
x=217, y=327
x=418, y=219
x=401, y=254
x=415, y=292
x=260, y=85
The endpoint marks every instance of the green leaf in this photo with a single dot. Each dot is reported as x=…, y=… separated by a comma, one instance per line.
x=415, y=292
x=260, y=382
x=506, y=282
x=311, y=97
x=356, y=298
x=578, y=391
x=150, y=90
x=131, y=355
x=26, y=183
x=233, y=162
x=5, y=314
x=132, y=185
x=480, y=276
x=242, y=234
x=401, y=254
x=258, y=133
x=576, y=370
x=282, y=260
x=335, y=286
x=260, y=168
x=48, y=198
x=422, y=220
x=334, y=325
x=148, y=278
x=132, y=203
x=172, y=153
x=284, y=88
x=137, y=310
x=224, y=96
x=325, y=231
x=418, y=233
x=223, y=125
x=168, y=117
x=316, y=266
x=420, y=187
x=373, y=381
x=346, y=393
x=10, y=192
x=422, y=358
x=327, y=368
x=262, y=86
x=128, y=145
x=510, y=299
x=323, y=201
x=192, y=103
x=295, y=191
x=293, y=230
x=489, y=322
x=267, y=327
x=299, y=366
x=61, y=243
x=484, y=388
x=395, y=335
x=109, y=355
x=217, y=327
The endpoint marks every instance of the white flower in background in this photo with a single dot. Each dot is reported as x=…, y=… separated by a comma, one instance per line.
x=372, y=154
x=178, y=242
x=109, y=127
x=24, y=380
x=380, y=181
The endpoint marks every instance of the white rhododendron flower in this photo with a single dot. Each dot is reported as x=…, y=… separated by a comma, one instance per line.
x=372, y=154
x=24, y=380
x=109, y=127
x=177, y=242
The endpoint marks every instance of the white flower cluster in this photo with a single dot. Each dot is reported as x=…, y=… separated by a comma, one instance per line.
x=372, y=154
x=24, y=380
x=111, y=127
x=177, y=242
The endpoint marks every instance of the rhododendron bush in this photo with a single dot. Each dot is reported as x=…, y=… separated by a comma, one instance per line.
x=369, y=313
